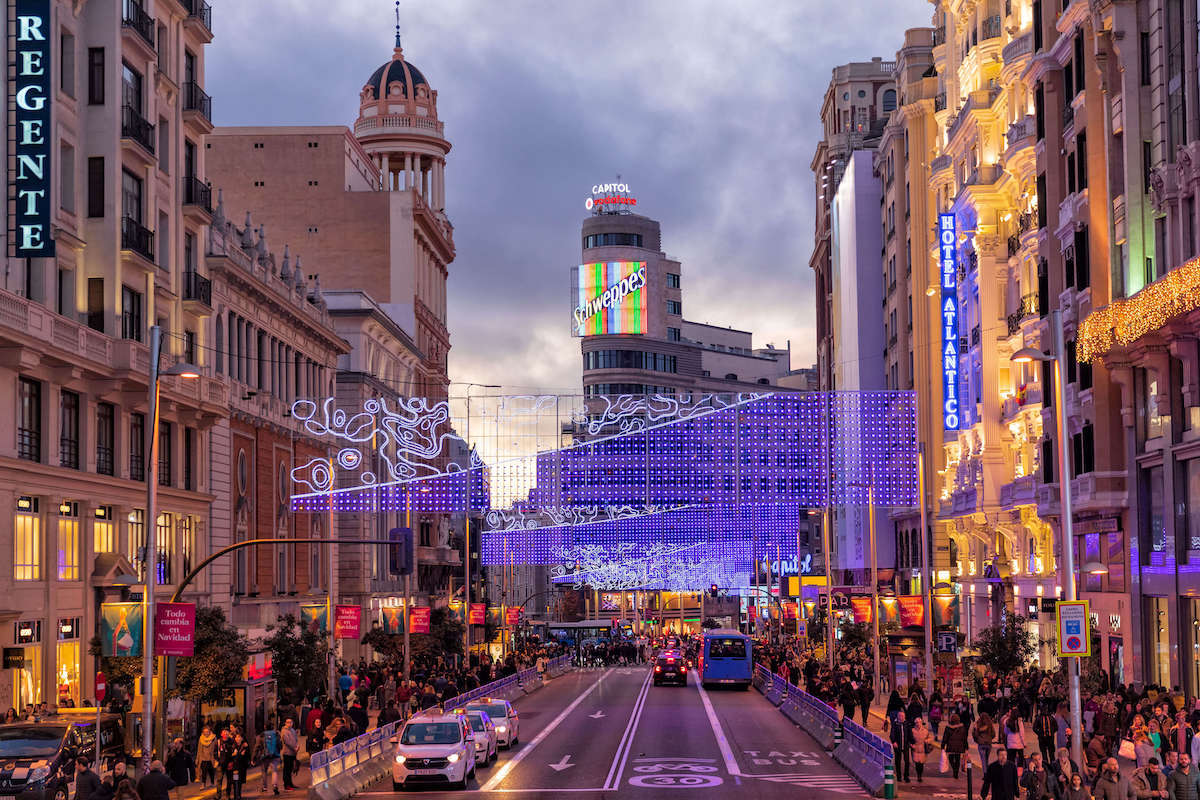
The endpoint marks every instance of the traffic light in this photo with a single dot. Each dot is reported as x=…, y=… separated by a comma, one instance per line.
x=400, y=551
x=712, y=591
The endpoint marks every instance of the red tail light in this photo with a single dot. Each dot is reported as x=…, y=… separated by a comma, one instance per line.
x=683, y=669
x=657, y=668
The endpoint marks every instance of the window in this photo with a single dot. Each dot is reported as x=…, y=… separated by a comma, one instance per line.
x=164, y=453
x=189, y=455
x=187, y=543
x=164, y=145
x=1177, y=77
x=1144, y=57
x=132, y=94
x=189, y=347
x=674, y=307
x=137, y=447
x=131, y=314
x=95, y=186
x=612, y=240
x=674, y=334
x=672, y=280
x=64, y=300
x=66, y=63
x=889, y=100
x=1147, y=166
x=1039, y=108
x=104, y=532
x=68, y=431
x=164, y=241
x=27, y=540
x=189, y=252
x=1083, y=445
x=96, y=76
x=1191, y=488
x=105, y=437
x=1081, y=160
x=629, y=359
x=162, y=549
x=137, y=540
x=131, y=196
x=731, y=376
x=1154, y=520
x=29, y=420
x=68, y=541
x=66, y=180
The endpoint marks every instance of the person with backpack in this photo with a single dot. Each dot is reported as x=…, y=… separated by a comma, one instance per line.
x=268, y=754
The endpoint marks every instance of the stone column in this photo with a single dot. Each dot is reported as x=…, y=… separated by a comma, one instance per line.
x=387, y=174
x=408, y=167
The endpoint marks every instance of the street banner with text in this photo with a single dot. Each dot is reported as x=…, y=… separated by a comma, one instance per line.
x=912, y=610
x=478, y=613
x=121, y=629
x=175, y=629
x=862, y=608
x=346, y=622
x=419, y=619
x=512, y=616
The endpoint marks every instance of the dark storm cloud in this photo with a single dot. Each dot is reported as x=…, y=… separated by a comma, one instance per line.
x=709, y=111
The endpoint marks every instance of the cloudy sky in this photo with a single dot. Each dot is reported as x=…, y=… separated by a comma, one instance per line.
x=707, y=109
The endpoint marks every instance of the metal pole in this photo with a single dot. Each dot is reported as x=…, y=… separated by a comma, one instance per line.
x=151, y=530
x=874, y=586
x=1067, y=527
x=467, y=543
x=408, y=583
x=825, y=522
x=926, y=570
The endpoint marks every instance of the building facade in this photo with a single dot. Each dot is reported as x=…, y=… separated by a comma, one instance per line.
x=125, y=207
x=639, y=342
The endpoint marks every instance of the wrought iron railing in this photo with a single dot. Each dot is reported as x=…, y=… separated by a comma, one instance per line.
x=195, y=99
x=136, y=237
x=201, y=11
x=136, y=127
x=197, y=193
x=135, y=17
x=197, y=287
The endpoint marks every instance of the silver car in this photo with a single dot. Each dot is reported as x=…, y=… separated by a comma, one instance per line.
x=487, y=744
x=503, y=716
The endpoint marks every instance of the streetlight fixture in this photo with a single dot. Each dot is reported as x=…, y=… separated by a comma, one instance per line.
x=1095, y=568
x=1027, y=355
x=182, y=370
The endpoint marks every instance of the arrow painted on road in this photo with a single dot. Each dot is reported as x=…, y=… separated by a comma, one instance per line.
x=597, y=715
x=564, y=763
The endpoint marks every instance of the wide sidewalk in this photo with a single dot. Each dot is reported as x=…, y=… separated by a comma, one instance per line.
x=252, y=788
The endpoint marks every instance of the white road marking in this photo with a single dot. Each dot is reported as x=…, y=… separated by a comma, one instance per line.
x=502, y=773
x=597, y=715
x=731, y=765
x=618, y=764
x=563, y=763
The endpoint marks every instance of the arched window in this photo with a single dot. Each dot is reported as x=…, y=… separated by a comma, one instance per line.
x=731, y=376
x=889, y=100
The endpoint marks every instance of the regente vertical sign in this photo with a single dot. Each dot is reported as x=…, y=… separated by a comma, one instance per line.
x=29, y=131
x=948, y=258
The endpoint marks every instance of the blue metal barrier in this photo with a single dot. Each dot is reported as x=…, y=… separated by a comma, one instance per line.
x=866, y=755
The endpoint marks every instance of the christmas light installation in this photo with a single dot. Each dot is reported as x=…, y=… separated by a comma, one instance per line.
x=629, y=566
x=1124, y=321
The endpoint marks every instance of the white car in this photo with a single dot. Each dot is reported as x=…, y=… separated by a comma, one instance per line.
x=503, y=716
x=487, y=745
x=434, y=748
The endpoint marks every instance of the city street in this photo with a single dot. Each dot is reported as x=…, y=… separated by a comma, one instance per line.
x=610, y=732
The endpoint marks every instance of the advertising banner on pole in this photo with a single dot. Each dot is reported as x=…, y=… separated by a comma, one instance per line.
x=512, y=616
x=393, y=619
x=315, y=617
x=862, y=609
x=420, y=619
x=121, y=629
x=1074, y=634
x=478, y=613
x=346, y=622
x=912, y=610
x=175, y=629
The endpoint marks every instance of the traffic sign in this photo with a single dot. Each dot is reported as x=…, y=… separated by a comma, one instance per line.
x=1074, y=629
x=101, y=687
x=947, y=641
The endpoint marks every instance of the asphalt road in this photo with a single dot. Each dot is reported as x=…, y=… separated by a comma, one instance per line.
x=608, y=733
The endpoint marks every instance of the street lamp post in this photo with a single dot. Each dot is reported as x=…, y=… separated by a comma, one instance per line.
x=151, y=528
x=467, y=526
x=1058, y=357
x=926, y=569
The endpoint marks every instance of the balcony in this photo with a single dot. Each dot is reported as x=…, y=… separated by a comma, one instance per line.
x=1018, y=47
x=1068, y=118
x=137, y=20
x=1099, y=491
x=390, y=123
x=197, y=293
x=992, y=28
x=1014, y=245
x=197, y=107
x=939, y=102
x=976, y=336
x=939, y=36
x=939, y=164
x=137, y=239
x=1020, y=492
x=197, y=198
x=137, y=129
x=1026, y=222
x=199, y=15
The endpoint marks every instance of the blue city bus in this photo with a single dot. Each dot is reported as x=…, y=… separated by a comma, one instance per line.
x=725, y=659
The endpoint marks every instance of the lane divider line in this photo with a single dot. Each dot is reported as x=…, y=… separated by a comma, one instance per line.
x=731, y=765
x=635, y=717
x=508, y=766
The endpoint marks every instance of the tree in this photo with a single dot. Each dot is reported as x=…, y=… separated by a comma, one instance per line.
x=388, y=645
x=220, y=656
x=1006, y=647
x=299, y=656
x=445, y=636
x=121, y=672
x=709, y=623
x=856, y=634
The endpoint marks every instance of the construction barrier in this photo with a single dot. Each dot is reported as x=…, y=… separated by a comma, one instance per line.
x=347, y=768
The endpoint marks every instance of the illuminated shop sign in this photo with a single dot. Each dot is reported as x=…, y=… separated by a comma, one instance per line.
x=610, y=297
x=29, y=131
x=609, y=195
x=948, y=246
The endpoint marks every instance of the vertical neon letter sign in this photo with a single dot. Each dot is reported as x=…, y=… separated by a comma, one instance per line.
x=948, y=248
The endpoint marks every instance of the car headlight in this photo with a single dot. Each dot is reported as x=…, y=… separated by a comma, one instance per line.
x=453, y=758
x=501, y=728
x=39, y=774
x=399, y=759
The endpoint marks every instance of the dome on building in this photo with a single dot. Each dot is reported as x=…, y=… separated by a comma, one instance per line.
x=396, y=71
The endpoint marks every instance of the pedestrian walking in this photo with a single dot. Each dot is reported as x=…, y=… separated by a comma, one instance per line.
x=954, y=742
x=86, y=781
x=269, y=755
x=901, y=737
x=1000, y=778
x=1036, y=779
x=206, y=757
x=1184, y=782
x=922, y=743
x=290, y=746
x=984, y=737
x=1111, y=784
x=155, y=785
x=181, y=767
x=235, y=759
